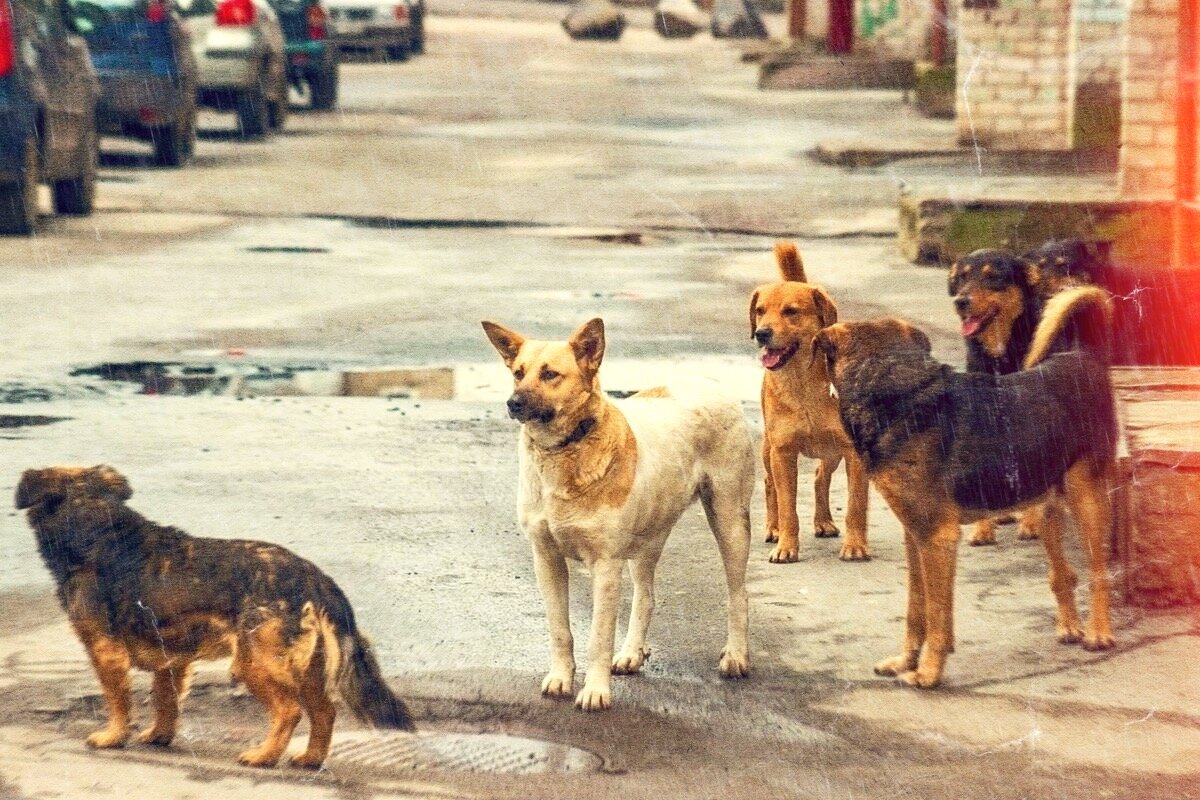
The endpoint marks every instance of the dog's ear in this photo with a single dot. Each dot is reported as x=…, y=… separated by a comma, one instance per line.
x=36, y=487
x=1032, y=272
x=826, y=308
x=753, y=313
x=587, y=343
x=822, y=345
x=107, y=480
x=791, y=268
x=507, y=343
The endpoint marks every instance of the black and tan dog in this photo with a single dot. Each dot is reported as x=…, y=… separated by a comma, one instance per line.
x=947, y=448
x=142, y=595
x=799, y=416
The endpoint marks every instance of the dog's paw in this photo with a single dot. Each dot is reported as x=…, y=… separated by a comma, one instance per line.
x=258, y=757
x=784, y=555
x=1068, y=633
x=1096, y=642
x=825, y=529
x=982, y=538
x=593, y=699
x=307, y=760
x=896, y=665
x=917, y=679
x=734, y=664
x=772, y=536
x=630, y=663
x=855, y=551
x=107, y=738
x=1028, y=532
x=558, y=685
x=156, y=738
x=1006, y=519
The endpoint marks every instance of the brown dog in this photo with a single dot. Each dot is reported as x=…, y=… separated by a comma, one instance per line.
x=947, y=448
x=142, y=595
x=799, y=416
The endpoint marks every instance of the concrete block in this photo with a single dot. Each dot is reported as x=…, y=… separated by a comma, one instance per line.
x=430, y=384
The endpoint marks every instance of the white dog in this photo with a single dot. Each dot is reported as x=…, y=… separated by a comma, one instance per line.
x=604, y=483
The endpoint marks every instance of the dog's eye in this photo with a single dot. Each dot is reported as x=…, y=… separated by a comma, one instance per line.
x=790, y=311
x=548, y=374
x=519, y=373
x=758, y=312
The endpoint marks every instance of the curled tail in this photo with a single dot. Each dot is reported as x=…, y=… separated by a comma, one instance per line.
x=1076, y=318
x=362, y=686
x=791, y=268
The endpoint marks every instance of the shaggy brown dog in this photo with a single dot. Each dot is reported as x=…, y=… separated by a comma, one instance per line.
x=142, y=595
x=946, y=448
x=799, y=417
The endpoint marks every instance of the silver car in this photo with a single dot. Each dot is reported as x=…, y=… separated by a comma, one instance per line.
x=240, y=60
x=384, y=28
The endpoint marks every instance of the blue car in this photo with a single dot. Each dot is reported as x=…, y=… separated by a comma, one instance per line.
x=143, y=56
x=47, y=114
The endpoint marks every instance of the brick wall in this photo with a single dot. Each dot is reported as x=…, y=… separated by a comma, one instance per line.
x=1015, y=77
x=907, y=34
x=1098, y=35
x=1148, y=100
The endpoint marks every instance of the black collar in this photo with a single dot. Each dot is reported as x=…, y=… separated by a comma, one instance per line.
x=581, y=430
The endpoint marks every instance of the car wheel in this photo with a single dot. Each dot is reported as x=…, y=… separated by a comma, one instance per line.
x=397, y=52
x=323, y=88
x=253, y=112
x=76, y=196
x=278, y=110
x=18, y=201
x=417, y=43
x=173, y=145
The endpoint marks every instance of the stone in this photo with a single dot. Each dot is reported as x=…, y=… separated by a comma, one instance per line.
x=679, y=19
x=594, y=19
x=736, y=19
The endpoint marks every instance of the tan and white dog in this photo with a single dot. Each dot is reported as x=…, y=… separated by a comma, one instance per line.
x=604, y=483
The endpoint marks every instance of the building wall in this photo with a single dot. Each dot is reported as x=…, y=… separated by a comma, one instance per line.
x=902, y=28
x=1148, y=99
x=1015, y=76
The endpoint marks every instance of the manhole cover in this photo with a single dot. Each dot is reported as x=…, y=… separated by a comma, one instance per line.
x=479, y=752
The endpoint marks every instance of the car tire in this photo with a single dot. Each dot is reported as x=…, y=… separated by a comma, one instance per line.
x=253, y=113
x=19, y=201
x=397, y=52
x=77, y=196
x=278, y=110
x=323, y=89
x=417, y=43
x=174, y=145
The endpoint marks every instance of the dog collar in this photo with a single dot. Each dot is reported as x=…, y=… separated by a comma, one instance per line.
x=581, y=430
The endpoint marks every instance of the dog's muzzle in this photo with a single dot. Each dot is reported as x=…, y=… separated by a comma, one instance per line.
x=522, y=409
x=764, y=336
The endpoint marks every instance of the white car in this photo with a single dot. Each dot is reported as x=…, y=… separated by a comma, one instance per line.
x=395, y=28
x=240, y=59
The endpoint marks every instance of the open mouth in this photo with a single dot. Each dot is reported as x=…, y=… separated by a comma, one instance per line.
x=974, y=324
x=775, y=357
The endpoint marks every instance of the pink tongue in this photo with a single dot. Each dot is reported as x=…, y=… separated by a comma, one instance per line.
x=772, y=358
x=970, y=326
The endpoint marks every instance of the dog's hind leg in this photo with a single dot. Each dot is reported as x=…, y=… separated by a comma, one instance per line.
x=634, y=651
x=321, y=713
x=1029, y=526
x=596, y=694
x=1067, y=627
x=261, y=661
x=554, y=581
x=858, y=486
x=983, y=532
x=727, y=506
x=169, y=688
x=1087, y=493
x=823, y=524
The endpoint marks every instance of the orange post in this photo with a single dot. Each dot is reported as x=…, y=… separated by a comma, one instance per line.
x=1185, y=249
x=797, y=18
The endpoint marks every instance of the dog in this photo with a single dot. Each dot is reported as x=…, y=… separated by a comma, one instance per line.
x=947, y=448
x=604, y=483
x=139, y=594
x=1064, y=263
x=799, y=417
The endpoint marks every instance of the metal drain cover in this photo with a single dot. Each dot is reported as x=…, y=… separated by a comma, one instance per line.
x=461, y=752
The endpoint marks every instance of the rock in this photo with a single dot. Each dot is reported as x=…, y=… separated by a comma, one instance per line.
x=679, y=19
x=736, y=19
x=594, y=19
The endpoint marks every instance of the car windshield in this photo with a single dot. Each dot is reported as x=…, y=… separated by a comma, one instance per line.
x=89, y=15
x=196, y=8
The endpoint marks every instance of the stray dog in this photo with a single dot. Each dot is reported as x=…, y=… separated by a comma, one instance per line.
x=945, y=448
x=604, y=483
x=143, y=595
x=799, y=416
x=1063, y=263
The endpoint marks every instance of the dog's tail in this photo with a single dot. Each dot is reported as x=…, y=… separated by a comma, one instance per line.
x=1079, y=317
x=791, y=268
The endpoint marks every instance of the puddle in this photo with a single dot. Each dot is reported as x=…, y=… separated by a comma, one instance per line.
x=27, y=420
x=487, y=753
x=286, y=249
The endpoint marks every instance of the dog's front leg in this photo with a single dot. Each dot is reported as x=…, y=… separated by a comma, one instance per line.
x=914, y=618
x=783, y=470
x=111, y=661
x=553, y=579
x=859, y=485
x=596, y=694
x=939, y=554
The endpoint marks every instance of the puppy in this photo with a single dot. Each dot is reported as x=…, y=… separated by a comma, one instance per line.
x=1063, y=263
x=142, y=595
x=945, y=448
x=799, y=416
x=604, y=483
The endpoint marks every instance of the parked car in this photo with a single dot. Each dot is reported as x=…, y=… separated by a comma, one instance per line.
x=142, y=53
x=48, y=94
x=394, y=28
x=312, y=57
x=240, y=59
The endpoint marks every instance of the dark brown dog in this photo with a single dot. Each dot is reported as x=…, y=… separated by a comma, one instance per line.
x=142, y=595
x=947, y=448
x=799, y=416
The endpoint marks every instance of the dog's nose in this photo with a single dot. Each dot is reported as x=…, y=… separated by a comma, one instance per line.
x=962, y=303
x=764, y=335
x=517, y=405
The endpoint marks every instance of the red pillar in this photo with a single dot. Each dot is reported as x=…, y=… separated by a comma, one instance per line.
x=1185, y=137
x=841, y=26
x=797, y=18
x=937, y=36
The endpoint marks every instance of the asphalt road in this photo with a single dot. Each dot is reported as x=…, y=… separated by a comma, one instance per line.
x=512, y=175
